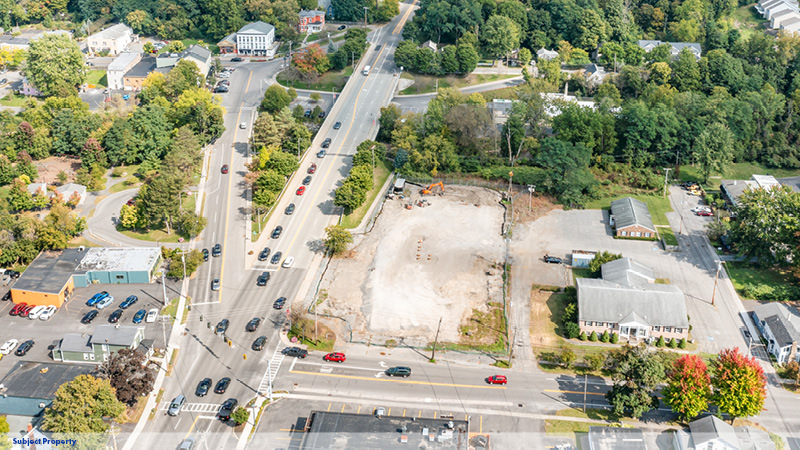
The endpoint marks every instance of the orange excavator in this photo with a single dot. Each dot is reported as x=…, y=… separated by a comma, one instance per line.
x=429, y=190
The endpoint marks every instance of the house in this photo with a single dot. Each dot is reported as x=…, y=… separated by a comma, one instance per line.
x=227, y=44
x=782, y=16
x=311, y=21
x=119, y=67
x=500, y=108
x=615, y=438
x=430, y=44
x=94, y=349
x=791, y=25
x=547, y=55
x=71, y=190
x=37, y=189
x=24, y=39
x=733, y=189
x=30, y=387
x=627, y=301
x=326, y=6
x=771, y=11
x=595, y=75
x=200, y=56
x=631, y=218
x=779, y=325
x=113, y=40
x=753, y=438
x=675, y=47
x=133, y=78
x=712, y=433
x=28, y=89
x=257, y=39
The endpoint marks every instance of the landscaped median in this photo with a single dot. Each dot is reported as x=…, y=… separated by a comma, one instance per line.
x=368, y=174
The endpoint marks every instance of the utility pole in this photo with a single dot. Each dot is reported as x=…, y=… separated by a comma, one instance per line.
x=365, y=16
x=510, y=177
x=511, y=349
x=666, y=177
x=164, y=288
x=373, y=156
x=436, y=340
x=585, y=384
x=353, y=57
x=531, y=188
x=716, y=278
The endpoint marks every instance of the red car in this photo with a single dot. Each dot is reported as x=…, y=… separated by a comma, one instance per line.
x=313, y=168
x=225, y=168
x=17, y=308
x=24, y=312
x=497, y=379
x=335, y=357
x=301, y=190
x=704, y=213
x=131, y=202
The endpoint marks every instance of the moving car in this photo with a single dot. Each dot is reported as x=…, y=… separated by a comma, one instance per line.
x=259, y=343
x=262, y=279
x=151, y=315
x=497, y=379
x=289, y=209
x=216, y=250
x=114, y=317
x=335, y=357
x=342, y=27
x=203, y=387
x=139, y=316
x=227, y=409
x=253, y=324
x=704, y=213
x=307, y=180
x=288, y=262
x=96, y=298
x=205, y=254
x=297, y=352
x=701, y=208
x=129, y=301
x=276, y=258
x=312, y=168
x=222, y=326
x=337, y=125
x=17, y=309
x=224, y=168
x=326, y=143
x=8, y=346
x=176, y=405
x=131, y=202
x=237, y=59
x=301, y=190
x=89, y=317
x=48, y=313
x=552, y=259
x=24, y=348
x=215, y=284
x=278, y=304
x=36, y=312
x=243, y=125
x=321, y=114
x=276, y=233
x=222, y=385
x=399, y=371
x=264, y=254
x=321, y=154
x=105, y=302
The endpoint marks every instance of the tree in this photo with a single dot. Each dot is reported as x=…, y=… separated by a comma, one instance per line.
x=19, y=199
x=158, y=200
x=685, y=72
x=349, y=195
x=524, y=56
x=190, y=224
x=184, y=75
x=80, y=405
x=240, y=415
x=5, y=441
x=336, y=239
x=636, y=373
x=275, y=99
x=500, y=35
x=568, y=176
x=128, y=372
x=315, y=97
x=601, y=258
x=739, y=384
x=281, y=162
x=713, y=149
x=389, y=115
x=688, y=387
x=128, y=216
x=55, y=65
x=62, y=177
x=311, y=61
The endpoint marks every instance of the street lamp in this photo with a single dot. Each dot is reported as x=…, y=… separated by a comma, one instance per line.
x=531, y=189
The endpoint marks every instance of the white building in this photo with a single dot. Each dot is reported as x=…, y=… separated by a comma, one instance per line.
x=119, y=67
x=257, y=39
x=545, y=54
x=113, y=39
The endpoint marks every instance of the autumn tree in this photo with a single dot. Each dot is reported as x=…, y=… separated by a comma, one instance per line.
x=739, y=384
x=311, y=61
x=688, y=387
x=128, y=373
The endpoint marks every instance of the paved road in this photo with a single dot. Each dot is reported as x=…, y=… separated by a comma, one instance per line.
x=419, y=103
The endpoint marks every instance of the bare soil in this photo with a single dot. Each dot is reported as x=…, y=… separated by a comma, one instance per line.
x=50, y=167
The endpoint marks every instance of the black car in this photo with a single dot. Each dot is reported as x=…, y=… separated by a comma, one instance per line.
x=216, y=250
x=89, y=316
x=321, y=154
x=326, y=143
x=14, y=274
x=307, y=113
x=222, y=385
x=307, y=180
x=114, y=317
x=276, y=233
x=205, y=254
x=222, y=326
x=264, y=254
x=129, y=301
x=399, y=371
x=337, y=125
x=262, y=279
x=321, y=115
x=259, y=343
x=227, y=409
x=253, y=324
x=221, y=90
x=24, y=348
x=203, y=387
x=552, y=259
x=276, y=258
x=279, y=303
x=297, y=352
x=289, y=209
x=236, y=59
x=7, y=297
x=342, y=27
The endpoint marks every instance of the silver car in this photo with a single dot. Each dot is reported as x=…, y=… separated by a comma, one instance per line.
x=176, y=405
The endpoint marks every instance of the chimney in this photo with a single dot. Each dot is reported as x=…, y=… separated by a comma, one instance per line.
x=792, y=352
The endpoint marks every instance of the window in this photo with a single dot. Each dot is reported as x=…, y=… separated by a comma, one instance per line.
x=91, y=356
x=679, y=330
x=85, y=356
x=656, y=328
x=638, y=234
x=647, y=235
x=587, y=323
x=105, y=348
x=120, y=277
x=668, y=329
x=610, y=325
x=623, y=233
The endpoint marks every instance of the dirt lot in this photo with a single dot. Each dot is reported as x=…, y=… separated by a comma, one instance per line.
x=418, y=265
x=50, y=167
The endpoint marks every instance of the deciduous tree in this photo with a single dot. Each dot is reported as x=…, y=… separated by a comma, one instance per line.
x=688, y=387
x=81, y=405
x=55, y=65
x=275, y=99
x=636, y=374
x=337, y=239
x=129, y=374
x=739, y=384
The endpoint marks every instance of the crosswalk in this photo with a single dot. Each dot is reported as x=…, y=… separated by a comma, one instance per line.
x=194, y=407
x=271, y=372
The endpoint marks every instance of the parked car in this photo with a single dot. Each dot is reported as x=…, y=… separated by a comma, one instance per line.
x=26, y=311
x=289, y=209
x=552, y=259
x=259, y=343
x=152, y=315
x=36, y=312
x=221, y=89
x=337, y=125
x=253, y=325
x=96, y=298
x=380, y=412
x=307, y=180
x=326, y=143
x=399, y=371
x=278, y=304
x=262, y=279
x=335, y=357
x=205, y=254
x=8, y=346
x=114, y=317
x=203, y=387
x=342, y=27
x=7, y=296
x=216, y=250
x=224, y=168
x=321, y=154
x=243, y=125
x=24, y=348
x=187, y=444
x=105, y=302
x=131, y=202
x=236, y=59
x=222, y=385
x=264, y=254
x=224, y=83
x=301, y=190
x=17, y=309
x=48, y=313
x=87, y=319
x=296, y=352
x=497, y=379
x=222, y=326
x=227, y=409
x=129, y=301
x=321, y=114
x=215, y=284
x=288, y=262
x=312, y=168
x=176, y=405
x=276, y=258
x=307, y=113
x=139, y=316
x=276, y=233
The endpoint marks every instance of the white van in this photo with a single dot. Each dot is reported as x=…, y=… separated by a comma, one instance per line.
x=366, y=70
x=36, y=312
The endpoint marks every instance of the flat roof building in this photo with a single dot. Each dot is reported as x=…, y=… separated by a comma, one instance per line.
x=29, y=387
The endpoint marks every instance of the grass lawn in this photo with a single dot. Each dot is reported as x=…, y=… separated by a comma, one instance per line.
x=424, y=84
x=736, y=171
x=333, y=80
x=189, y=42
x=150, y=235
x=657, y=205
x=747, y=21
x=580, y=272
x=565, y=428
x=14, y=100
x=81, y=241
x=326, y=337
x=382, y=171
x=484, y=331
x=668, y=235
x=171, y=309
x=130, y=182
x=743, y=273
x=97, y=78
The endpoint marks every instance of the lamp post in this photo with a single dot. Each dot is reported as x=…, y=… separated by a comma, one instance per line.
x=531, y=189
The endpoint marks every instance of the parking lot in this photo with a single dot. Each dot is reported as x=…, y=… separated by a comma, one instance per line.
x=67, y=319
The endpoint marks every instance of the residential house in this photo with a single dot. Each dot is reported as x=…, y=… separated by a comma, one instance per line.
x=94, y=349
x=779, y=17
x=257, y=39
x=119, y=67
x=113, y=40
x=779, y=325
x=712, y=433
x=326, y=6
x=627, y=301
x=430, y=44
x=28, y=89
x=791, y=25
x=23, y=40
x=29, y=387
x=616, y=438
x=500, y=108
x=675, y=47
x=133, y=78
x=631, y=218
x=733, y=189
x=311, y=21
x=37, y=189
x=595, y=75
x=545, y=54
x=200, y=56
x=776, y=8
x=72, y=190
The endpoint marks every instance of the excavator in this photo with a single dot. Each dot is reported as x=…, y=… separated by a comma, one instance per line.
x=429, y=190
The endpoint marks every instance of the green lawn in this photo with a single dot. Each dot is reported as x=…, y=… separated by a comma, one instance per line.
x=424, y=84
x=579, y=272
x=97, y=78
x=657, y=205
x=333, y=80
x=747, y=20
x=129, y=183
x=743, y=273
x=150, y=235
x=382, y=171
x=668, y=235
x=736, y=171
x=14, y=100
x=189, y=42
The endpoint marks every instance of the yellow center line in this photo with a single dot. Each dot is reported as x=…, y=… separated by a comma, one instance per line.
x=387, y=380
x=228, y=201
x=192, y=427
x=420, y=414
x=571, y=392
x=343, y=408
x=329, y=406
x=405, y=17
x=359, y=410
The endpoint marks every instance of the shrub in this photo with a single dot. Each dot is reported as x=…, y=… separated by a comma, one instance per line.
x=570, y=313
x=660, y=342
x=614, y=338
x=571, y=330
x=567, y=357
x=600, y=259
x=593, y=337
x=594, y=361
x=582, y=336
x=673, y=343
x=240, y=415
x=682, y=343
x=605, y=337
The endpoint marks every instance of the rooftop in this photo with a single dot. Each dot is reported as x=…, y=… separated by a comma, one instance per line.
x=112, y=32
x=612, y=438
x=365, y=431
x=257, y=28
x=29, y=379
x=198, y=52
x=711, y=427
x=120, y=259
x=783, y=321
x=122, y=61
x=628, y=211
x=311, y=13
x=110, y=334
x=627, y=272
x=142, y=68
x=51, y=271
x=77, y=343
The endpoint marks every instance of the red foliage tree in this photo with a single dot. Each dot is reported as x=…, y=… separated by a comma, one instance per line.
x=739, y=384
x=311, y=60
x=688, y=387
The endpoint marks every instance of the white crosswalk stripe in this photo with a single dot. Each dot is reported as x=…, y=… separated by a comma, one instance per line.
x=272, y=371
x=194, y=407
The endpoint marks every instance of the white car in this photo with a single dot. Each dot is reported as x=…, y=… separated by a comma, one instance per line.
x=288, y=262
x=151, y=315
x=48, y=313
x=243, y=125
x=105, y=302
x=36, y=312
x=224, y=75
x=8, y=346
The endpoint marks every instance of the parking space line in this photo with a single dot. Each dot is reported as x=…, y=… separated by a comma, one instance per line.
x=404, y=412
x=419, y=416
x=390, y=412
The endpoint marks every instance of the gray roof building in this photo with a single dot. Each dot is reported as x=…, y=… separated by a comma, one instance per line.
x=629, y=212
x=119, y=258
x=753, y=439
x=780, y=326
x=712, y=432
x=733, y=189
x=792, y=182
x=142, y=68
x=614, y=438
x=29, y=387
x=76, y=343
x=50, y=271
x=675, y=47
x=111, y=335
x=627, y=272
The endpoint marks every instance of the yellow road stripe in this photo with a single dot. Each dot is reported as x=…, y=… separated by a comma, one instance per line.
x=386, y=380
x=404, y=412
x=420, y=414
x=571, y=392
x=343, y=408
x=359, y=410
x=405, y=17
x=389, y=413
x=329, y=406
x=191, y=428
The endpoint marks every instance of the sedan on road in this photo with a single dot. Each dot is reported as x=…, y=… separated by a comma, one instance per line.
x=301, y=190
x=89, y=317
x=552, y=259
x=227, y=409
x=215, y=284
x=205, y=254
x=221, y=89
x=264, y=254
x=307, y=180
x=24, y=348
x=222, y=326
x=259, y=343
x=276, y=258
x=321, y=114
x=297, y=352
x=321, y=154
x=312, y=168
x=129, y=301
x=704, y=213
x=288, y=262
x=114, y=317
x=237, y=59
x=335, y=357
x=497, y=379
x=279, y=303
x=399, y=371
x=222, y=385
x=276, y=233
x=203, y=387
x=253, y=324
x=337, y=125
x=216, y=250
x=289, y=209
x=8, y=346
x=262, y=279
x=224, y=168
x=326, y=143
x=139, y=316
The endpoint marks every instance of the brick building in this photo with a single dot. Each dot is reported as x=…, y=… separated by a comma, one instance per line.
x=631, y=218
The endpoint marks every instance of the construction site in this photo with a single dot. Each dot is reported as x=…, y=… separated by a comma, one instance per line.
x=433, y=261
